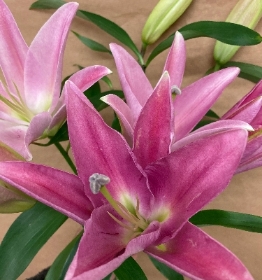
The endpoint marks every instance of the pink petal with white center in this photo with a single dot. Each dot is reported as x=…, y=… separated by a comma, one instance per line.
x=154, y=127
x=252, y=157
x=196, y=99
x=176, y=60
x=210, y=129
x=196, y=255
x=134, y=82
x=86, y=77
x=43, y=65
x=97, y=148
x=103, y=248
x=37, y=127
x=57, y=189
x=12, y=50
x=190, y=177
x=253, y=94
x=13, y=135
x=124, y=114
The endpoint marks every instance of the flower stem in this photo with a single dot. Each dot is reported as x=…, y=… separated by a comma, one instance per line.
x=66, y=156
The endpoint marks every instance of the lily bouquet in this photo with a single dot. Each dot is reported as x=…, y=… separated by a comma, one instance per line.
x=139, y=184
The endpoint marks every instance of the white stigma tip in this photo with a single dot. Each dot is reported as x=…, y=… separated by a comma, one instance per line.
x=97, y=181
x=175, y=90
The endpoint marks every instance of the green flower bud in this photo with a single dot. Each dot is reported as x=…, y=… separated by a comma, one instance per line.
x=247, y=13
x=165, y=13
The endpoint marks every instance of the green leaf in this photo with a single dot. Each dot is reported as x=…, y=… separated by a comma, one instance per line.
x=107, y=81
x=93, y=45
x=94, y=90
x=116, y=124
x=248, y=71
x=229, y=219
x=226, y=32
x=26, y=236
x=168, y=272
x=130, y=270
x=100, y=105
x=47, y=4
x=60, y=136
x=60, y=265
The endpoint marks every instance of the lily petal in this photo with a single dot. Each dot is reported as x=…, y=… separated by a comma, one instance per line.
x=196, y=99
x=176, y=60
x=13, y=50
x=196, y=255
x=43, y=65
x=102, y=248
x=134, y=82
x=187, y=179
x=106, y=152
x=57, y=189
x=153, y=131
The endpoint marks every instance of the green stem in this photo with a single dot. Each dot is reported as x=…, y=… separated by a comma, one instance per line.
x=66, y=156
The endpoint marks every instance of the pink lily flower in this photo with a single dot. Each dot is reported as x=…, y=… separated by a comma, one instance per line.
x=30, y=103
x=125, y=209
x=249, y=109
x=189, y=106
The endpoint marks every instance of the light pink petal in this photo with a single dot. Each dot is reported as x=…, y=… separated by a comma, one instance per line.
x=252, y=157
x=253, y=94
x=86, y=77
x=134, y=82
x=57, y=121
x=37, y=127
x=43, y=66
x=124, y=114
x=97, y=148
x=196, y=255
x=55, y=188
x=196, y=99
x=13, y=135
x=102, y=247
x=210, y=129
x=189, y=178
x=12, y=50
x=153, y=130
x=176, y=60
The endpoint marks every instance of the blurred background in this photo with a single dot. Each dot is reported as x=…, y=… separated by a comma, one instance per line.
x=244, y=193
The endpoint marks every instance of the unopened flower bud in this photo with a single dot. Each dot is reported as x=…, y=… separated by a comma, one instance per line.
x=165, y=13
x=246, y=13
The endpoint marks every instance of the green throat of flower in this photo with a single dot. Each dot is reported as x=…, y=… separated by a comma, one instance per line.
x=132, y=220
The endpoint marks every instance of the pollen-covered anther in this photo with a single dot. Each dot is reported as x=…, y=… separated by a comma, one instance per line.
x=97, y=181
x=175, y=90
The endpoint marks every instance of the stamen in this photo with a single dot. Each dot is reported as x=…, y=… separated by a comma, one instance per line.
x=97, y=181
x=175, y=90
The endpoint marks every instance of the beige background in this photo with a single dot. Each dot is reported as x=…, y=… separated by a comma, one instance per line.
x=245, y=191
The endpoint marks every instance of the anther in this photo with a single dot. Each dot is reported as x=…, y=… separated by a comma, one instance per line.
x=97, y=181
x=175, y=90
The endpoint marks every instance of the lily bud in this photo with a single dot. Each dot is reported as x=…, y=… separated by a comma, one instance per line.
x=247, y=13
x=165, y=13
x=11, y=199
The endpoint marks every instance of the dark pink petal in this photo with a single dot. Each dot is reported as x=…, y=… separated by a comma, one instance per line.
x=124, y=114
x=43, y=65
x=253, y=94
x=12, y=50
x=196, y=255
x=190, y=177
x=102, y=247
x=134, y=82
x=86, y=77
x=210, y=129
x=154, y=127
x=97, y=148
x=176, y=60
x=252, y=157
x=55, y=188
x=196, y=99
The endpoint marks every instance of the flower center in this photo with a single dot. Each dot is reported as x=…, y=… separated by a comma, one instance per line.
x=133, y=221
